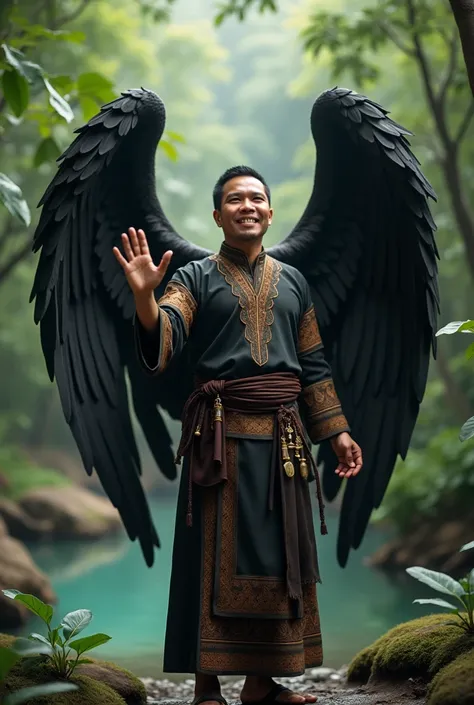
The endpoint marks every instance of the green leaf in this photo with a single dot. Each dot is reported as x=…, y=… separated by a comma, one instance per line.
x=89, y=642
x=96, y=86
x=47, y=151
x=437, y=581
x=16, y=91
x=63, y=83
x=35, y=691
x=58, y=103
x=470, y=352
x=467, y=327
x=45, y=612
x=467, y=546
x=451, y=328
x=12, y=198
x=29, y=647
x=39, y=637
x=56, y=637
x=169, y=149
x=8, y=658
x=89, y=107
x=32, y=72
x=175, y=136
x=75, y=622
x=467, y=430
x=436, y=601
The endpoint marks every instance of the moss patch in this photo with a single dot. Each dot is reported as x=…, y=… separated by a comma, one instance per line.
x=454, y=684
x=361, y=666
x=419, y=648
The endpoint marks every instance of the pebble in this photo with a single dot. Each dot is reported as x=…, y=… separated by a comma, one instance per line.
x=319, y=679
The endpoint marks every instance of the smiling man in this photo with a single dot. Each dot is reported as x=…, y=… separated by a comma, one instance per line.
x=244, y=572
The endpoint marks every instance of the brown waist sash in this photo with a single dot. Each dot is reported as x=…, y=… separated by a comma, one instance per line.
x=204, y=433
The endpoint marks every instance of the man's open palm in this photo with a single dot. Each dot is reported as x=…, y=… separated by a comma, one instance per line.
x=142, y=274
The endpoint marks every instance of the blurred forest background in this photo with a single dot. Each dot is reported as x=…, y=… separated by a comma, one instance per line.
x=238, y=85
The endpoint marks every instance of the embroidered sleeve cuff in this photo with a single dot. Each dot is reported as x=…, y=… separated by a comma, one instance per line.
x=309, y=338
x=154, y=348
x=178, y=297
x=325, y=417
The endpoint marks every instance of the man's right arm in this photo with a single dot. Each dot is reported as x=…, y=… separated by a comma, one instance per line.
x=162, y=328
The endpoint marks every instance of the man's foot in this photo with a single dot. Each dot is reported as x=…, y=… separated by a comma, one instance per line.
x=207, y=691
x=264, y=691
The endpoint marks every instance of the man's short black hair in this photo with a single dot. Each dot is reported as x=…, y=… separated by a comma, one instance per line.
x=231, y=174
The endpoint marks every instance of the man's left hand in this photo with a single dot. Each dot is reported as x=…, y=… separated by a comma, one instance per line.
x=349, y=455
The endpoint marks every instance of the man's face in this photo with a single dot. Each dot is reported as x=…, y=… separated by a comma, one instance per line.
x=245, y=212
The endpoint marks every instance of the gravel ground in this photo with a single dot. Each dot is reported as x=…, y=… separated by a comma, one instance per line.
x=328, y=684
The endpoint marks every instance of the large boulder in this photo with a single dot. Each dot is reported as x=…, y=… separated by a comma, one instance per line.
x=100, y=683
x=432, y=544
x=74, y=512
x=417, y=649
x=17, y=570
x=21, y=525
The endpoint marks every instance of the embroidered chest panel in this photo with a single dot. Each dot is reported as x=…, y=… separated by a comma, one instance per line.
x=256, y=299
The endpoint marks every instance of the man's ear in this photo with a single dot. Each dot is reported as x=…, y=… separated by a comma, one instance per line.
x=270, y=216
x=217, y=217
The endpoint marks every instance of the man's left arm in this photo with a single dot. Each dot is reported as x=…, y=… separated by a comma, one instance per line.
x=325, y=417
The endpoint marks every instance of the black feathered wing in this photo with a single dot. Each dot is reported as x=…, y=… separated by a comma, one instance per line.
x=105, y=184
x=366, y=246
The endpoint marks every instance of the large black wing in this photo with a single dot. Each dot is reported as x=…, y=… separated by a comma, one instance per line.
x=366, y=245
x=105, y=184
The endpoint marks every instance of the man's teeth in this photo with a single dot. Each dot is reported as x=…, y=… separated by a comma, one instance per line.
x=248, y=220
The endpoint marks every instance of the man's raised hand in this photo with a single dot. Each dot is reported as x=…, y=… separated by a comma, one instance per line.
x=142, y=274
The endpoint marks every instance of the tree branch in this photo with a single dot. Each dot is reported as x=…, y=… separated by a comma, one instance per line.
x=465, y=122
x=395, y=38
x=437, y=108
x=450, y=69
x=15, y=259
x=463, y=11
x=73, y=15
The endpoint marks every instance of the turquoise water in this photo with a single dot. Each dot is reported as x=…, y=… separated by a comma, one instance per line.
x=129, y=600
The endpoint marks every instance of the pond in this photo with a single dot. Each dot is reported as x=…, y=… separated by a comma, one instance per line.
x=129, y=600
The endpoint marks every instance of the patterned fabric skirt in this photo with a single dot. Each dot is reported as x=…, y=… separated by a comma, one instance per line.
x=229, y=611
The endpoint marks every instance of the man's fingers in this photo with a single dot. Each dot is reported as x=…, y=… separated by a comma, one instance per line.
x=143, y=244
x=127, y=247
x=349, y=460
x=120, y=258
x=165, y=260
x=132, y=234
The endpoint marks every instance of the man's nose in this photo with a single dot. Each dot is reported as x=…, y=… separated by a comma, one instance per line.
x=247, y=205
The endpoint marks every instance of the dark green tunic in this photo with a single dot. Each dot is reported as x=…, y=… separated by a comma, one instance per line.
x=228, y=611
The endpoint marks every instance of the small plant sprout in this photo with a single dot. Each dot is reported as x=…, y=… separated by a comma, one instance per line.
x=64, y=650
x=462, y=591
x=8, y=659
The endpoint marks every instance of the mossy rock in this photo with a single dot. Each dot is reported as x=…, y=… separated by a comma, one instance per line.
x=415, y=649
x=100, y=682
x=454, y=684
x=360, y=667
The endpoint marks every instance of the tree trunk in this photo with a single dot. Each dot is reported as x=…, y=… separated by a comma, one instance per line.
x=463, y=11
x=450, y=166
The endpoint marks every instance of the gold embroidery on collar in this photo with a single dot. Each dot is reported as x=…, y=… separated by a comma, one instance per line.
x=256, y=303
x=309, y=338
x=180, y=298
